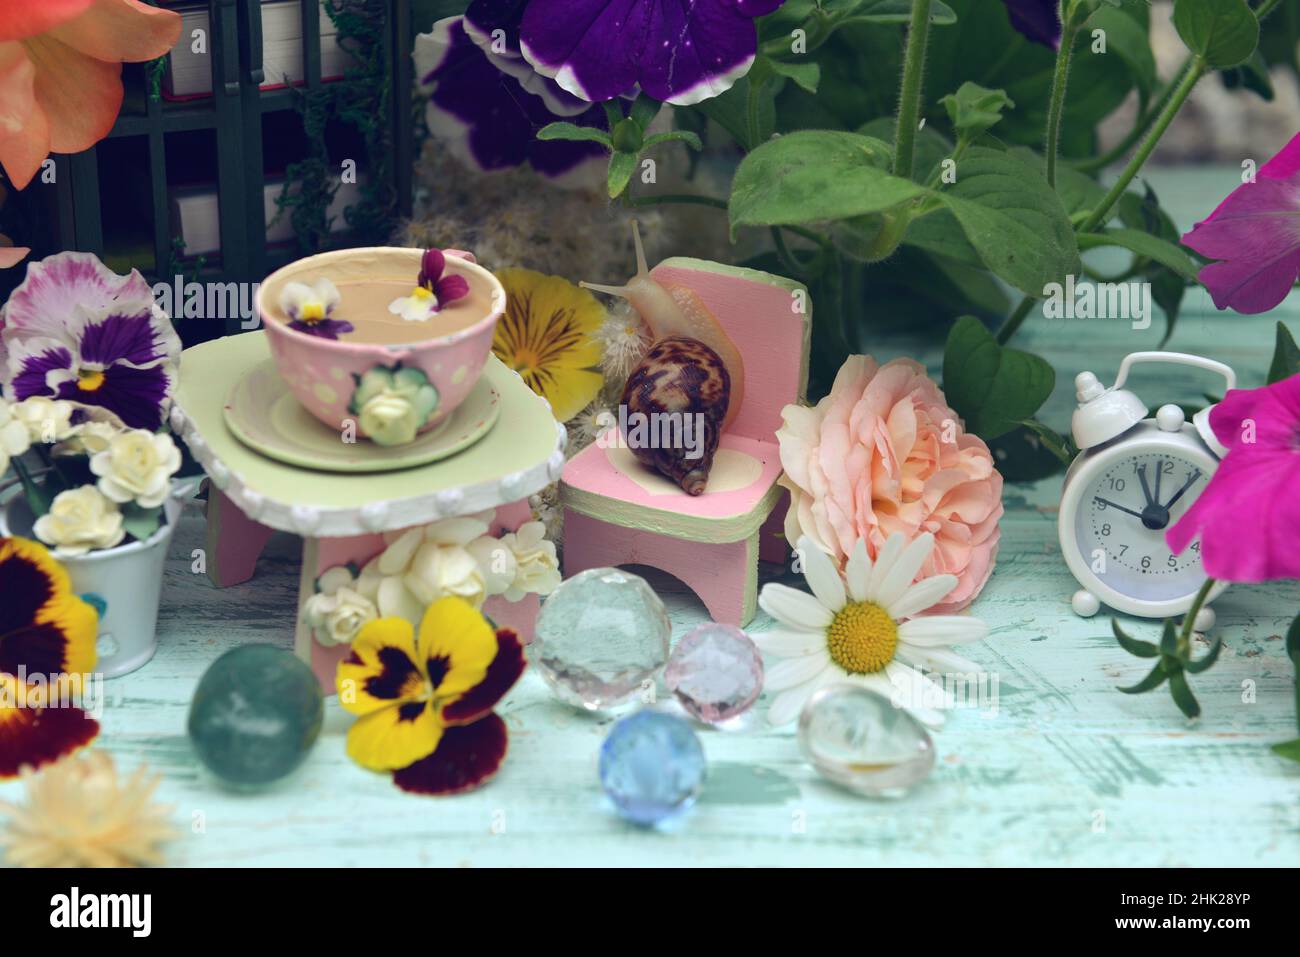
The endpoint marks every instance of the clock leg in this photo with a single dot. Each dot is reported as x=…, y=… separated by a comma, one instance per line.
x=1085, y=603
x=1205, y=619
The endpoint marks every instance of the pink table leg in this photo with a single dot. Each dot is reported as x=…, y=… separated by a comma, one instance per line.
x=234, y=541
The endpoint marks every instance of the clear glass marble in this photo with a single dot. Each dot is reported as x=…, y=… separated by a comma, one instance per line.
x=860, y=740
x=600, y=637
x=716, y=672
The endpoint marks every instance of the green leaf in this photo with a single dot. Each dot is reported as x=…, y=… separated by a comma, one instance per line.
x=575, y=133
x=1204, y=664
x=621, y=167
x=675, y=136
x=1251, y=75
x=1127, y=40
x=1022, y=456
x=1293, y=644
x=1154, y=679
x=973, y=109
x=141, y=522
x=1053, y=441
x=1288, y=749
x=992, y=387
x=806, y=75
x=1169, y=639
x=895, y=11
x=1014, y=220
x=813, y=176
x=731, y=112
x=1182, y=695
x=644, y=110
x=1143, y=212
x=1144, y=244
x=1142, y=649
x=1286, y=356
x=1222, y=32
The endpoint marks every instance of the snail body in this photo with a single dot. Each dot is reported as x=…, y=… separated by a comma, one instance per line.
x=692, y=371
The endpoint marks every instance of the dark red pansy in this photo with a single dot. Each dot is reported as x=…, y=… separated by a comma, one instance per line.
x=501, y=676
x=466, y=757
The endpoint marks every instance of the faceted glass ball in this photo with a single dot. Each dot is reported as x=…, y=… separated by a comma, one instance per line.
x=255, y=715
x=716, y=672
x=859, y=739
x=600, y=636
x=652, y=767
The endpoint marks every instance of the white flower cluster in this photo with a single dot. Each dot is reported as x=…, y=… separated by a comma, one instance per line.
x=131, y=466
x=454, y=556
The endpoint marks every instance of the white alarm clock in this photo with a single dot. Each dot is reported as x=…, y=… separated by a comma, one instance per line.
x=1134, y=477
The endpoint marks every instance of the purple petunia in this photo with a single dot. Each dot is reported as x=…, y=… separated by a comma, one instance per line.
x=679, y=53
x=76, y=330
x=1037, y=20
x=487, y=106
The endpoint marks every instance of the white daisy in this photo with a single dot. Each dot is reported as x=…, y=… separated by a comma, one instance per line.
x=860, y=629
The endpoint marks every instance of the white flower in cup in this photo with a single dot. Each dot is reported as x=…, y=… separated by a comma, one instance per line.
x=420, y=306
x=338, y=610
x=393, y=403
x=137, y=466
x=79, y=520
x=14, y=439
x=861, y=629
x=47, y=420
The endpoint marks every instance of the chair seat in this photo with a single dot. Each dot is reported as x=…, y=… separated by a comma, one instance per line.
x=611, y=485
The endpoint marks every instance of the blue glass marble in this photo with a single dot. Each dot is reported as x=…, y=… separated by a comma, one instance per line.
x=652, y=767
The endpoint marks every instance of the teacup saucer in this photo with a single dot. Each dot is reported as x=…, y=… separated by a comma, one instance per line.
x=263, y=414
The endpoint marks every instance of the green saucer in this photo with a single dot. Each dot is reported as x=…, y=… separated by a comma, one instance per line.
x=263, y=414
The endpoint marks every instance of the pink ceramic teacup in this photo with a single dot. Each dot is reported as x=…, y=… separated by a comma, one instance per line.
x=389, y=392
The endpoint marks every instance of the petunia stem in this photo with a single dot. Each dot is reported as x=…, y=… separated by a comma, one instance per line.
x=693, y=199
x=1171, y=108
x=1056, y=105
x=909, y=97
x=1008, y=328
x=1185, y=634
x=1120, y=149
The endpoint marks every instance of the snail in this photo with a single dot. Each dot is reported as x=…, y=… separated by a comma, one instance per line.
x=692, y=372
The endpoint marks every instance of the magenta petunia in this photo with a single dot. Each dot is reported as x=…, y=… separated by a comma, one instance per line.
x=680, y=53
x=1248, y=515
x=1255, y=235
x=75, y=330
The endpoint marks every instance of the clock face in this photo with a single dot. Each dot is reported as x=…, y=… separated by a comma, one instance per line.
x=1122, y=518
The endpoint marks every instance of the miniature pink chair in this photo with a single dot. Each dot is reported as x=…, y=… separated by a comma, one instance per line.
x=618, y=512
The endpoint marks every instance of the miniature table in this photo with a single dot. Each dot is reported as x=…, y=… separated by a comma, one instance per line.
x=1068, y=770
x=341, y=515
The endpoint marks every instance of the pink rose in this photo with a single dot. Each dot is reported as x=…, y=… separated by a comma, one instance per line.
x=884, y=453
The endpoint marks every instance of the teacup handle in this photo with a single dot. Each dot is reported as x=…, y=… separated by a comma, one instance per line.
x=461, y=254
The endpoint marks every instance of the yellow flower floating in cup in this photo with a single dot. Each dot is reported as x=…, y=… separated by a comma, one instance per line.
x=548, y=336
x=424, y=703
x=47, y=647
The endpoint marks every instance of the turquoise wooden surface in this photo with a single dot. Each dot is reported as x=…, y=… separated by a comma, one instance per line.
x=1066, y=770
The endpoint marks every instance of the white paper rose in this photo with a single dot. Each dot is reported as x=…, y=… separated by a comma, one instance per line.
x=14, y=439
x=47, y=420
x=337, y=611
x=89, y=438
x=393, y=404
x=421, y=565
x=389, y=419
x=497, y=562
x=537, y=570
x=137, y=467
x=79, y=520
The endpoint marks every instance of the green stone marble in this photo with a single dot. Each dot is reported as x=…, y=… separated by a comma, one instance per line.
x=255, y=715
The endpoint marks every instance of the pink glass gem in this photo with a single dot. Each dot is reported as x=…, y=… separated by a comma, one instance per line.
x=716, y=672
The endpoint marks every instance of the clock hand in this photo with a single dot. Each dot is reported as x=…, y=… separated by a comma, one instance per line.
x=1160, y=468
x=1142, y=477
x=1191, y=479
x=1107, y=502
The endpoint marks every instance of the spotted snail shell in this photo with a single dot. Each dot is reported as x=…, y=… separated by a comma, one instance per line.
x=693, y=373
x=682, y=391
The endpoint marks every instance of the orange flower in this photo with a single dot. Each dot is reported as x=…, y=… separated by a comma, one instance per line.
x=61, y=72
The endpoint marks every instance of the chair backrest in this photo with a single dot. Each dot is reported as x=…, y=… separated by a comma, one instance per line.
x=769, y=318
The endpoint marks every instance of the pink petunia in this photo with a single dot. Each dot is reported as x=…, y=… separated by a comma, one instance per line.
x=1249, y=513
x=1255, y=235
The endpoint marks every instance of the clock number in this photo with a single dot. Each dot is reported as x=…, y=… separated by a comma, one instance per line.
x=1116, y=484
x=1167, y=467
x=1172, y=561
x=1122, y=550
x=1196, y=546
x=1105, y=529
x=1146, y=561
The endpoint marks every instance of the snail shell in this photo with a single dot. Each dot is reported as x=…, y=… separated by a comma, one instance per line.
x=682, y=391
x=697, y=370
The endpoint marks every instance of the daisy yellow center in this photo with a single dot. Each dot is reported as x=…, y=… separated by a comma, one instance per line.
x=861, y=638
x=313, y=312
x=421, y=293
x=88, y=380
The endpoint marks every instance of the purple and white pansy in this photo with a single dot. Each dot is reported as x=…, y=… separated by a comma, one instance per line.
x=679, y=53
x=486, y=103
x=310, y=308
x=76, y=330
